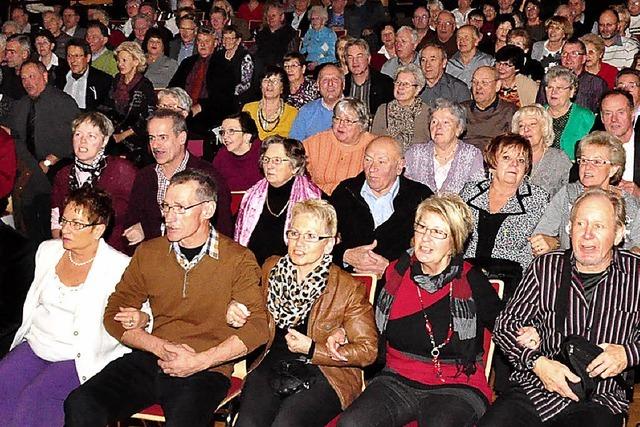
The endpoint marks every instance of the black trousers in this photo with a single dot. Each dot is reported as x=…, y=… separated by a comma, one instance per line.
x=135, y=381
x=260, y=407
x=391, y=402
x=514, y=409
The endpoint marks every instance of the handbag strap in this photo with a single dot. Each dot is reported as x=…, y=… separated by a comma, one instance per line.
x=562, y=296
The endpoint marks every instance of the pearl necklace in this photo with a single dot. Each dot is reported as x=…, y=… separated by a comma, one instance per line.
x=78, y=264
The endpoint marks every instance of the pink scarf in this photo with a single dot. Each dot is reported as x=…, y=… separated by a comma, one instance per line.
x=253, y=202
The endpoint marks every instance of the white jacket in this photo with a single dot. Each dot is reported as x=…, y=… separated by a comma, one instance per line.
x=94, y=347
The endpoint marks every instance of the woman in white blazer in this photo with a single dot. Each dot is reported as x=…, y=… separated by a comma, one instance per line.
x=62, y=342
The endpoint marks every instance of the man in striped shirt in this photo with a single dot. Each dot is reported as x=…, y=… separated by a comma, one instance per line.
x=603, y=306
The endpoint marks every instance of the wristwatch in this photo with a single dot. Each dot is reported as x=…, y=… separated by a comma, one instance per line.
x=47, y=163
x=531, y=363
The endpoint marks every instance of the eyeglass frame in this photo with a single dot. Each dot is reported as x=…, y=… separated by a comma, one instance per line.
x=75, y=225
x=595, y=162
x=426, y=230
x=178, y=209
x=315, y=239
x=275, y=160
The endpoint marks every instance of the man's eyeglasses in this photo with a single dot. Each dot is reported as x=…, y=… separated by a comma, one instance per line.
x=595, y=162
x=76, y=225
x=307, y=237
x=179, y=209
x=433, y=232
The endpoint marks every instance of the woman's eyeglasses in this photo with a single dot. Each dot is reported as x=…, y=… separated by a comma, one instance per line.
x=76, y=225
x=433, y=232
x=307, y=237
x=275, y=160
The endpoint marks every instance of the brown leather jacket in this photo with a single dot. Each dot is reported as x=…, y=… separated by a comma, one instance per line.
x=343, y=303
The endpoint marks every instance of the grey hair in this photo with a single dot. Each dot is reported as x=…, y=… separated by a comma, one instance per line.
x=544, y=118
x=353, y=105
x=319, y=10
x=3, y=41
x=438, y=2
x=8, y=24
x=362, y=43
x=560, y=72
x=454, y=108
x=184, y=100
x=23, y=40
x=617, y=155
x=617, y=202
x=414, y=33
x=417, y=74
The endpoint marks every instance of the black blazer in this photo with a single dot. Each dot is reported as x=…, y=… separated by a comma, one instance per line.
x=304, y=23
x=381, y=90
x=98, y=86
x=356, y=225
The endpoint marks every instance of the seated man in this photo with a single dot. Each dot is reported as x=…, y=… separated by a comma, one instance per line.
x=186, y=362
x=439, y=84
x=167, y=140
x=316, y=116
x=102, y=58
x=487, y=115
x=375, y=209
x=597, y=286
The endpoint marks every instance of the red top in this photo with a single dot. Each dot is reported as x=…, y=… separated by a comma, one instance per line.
x=406, y=303
x=7, y=163
x=250, y=15
x=608, y=73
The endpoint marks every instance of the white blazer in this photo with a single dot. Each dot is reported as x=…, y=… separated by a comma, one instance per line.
x=94, y=347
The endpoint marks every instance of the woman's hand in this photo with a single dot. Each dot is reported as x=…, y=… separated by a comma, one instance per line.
x=337, y=339
x=237, y=314
x=132, y=318
x=297, y=342
x=528, y=337
x=541, y=244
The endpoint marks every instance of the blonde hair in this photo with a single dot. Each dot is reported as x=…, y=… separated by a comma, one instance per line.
x=321, y=210
x=545, y=120
x=455, y=212
x=595, y=41
x=133, y=49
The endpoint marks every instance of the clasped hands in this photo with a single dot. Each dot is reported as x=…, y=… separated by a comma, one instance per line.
x=554, y=375
x=364, y=260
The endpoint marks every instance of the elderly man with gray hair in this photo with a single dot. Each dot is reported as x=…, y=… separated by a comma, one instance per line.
x=406, y=42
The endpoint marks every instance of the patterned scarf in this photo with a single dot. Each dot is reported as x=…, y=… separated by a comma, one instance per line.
x=122, y=92
x=401, y=121
x=94, y=169
x=463, y=308
x=290, y=302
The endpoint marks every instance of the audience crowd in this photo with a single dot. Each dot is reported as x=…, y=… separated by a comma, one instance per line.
x=187, y=184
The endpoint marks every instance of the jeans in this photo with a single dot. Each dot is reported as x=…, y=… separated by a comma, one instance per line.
x=135, y=381
x=514, y=409
x=389, y=401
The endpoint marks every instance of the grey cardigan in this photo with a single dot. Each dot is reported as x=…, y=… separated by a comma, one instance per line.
x=552, y=171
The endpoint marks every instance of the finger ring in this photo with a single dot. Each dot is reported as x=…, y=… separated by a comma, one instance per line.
x=533, y=340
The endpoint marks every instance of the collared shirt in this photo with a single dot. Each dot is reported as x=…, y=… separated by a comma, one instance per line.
x=297, y=18
x=77, y=89
x=610, y=318
x=163, y=181
x=389, y=68
x=381, y=207
x=97, y=55
x=209, y=248
x=312, y=118
x=54, y=61
x=361, y=92
x=464, y=72
x=186, y=50
x=629, y=150
x=447, y=87
x=620, y=54
x=383, y=51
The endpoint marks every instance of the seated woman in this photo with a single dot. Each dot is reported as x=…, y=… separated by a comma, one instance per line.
x=406, y=117
x=266, y=209
x=570, y=121
x=160, y=68
x=533, y=24
x=341, y=54
x=506, y=209
x=319, y=41
x=62, y=316
x=134, y=99
x=302, y=89
x=92, y=168
x=176, y=99
x=601, y=162
x=239, y=160
x=431, y=315
x=515, y=87
x=594, y=65
x=272, y=115
x=445, y=163
x=558, y=30
x=551, y=166
x=308, y=299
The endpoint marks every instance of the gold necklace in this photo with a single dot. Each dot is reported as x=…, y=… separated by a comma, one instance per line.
x=279, y=213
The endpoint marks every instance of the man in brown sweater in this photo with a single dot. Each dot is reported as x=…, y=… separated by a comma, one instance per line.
x=189, y=277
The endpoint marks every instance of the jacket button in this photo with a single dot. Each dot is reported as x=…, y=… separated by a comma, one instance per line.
x=84, y=378
x=75, y=333
x=78, y=356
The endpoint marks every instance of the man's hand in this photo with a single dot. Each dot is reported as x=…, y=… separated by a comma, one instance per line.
x=183, y=361
x=528, y=337
x=554, y=376
x=52, y=161
x=131, y=318
x=609, y=363
x=629, y=187
x=134, y=234
x=237, y=314
x=364, y=260
x=541, y=244
x=297, y=342
x=337, y=339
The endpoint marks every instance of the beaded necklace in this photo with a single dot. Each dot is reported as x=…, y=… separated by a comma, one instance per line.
x=266, y=124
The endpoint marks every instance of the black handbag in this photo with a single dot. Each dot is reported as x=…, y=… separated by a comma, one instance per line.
x=577, y=353
x=290, y=376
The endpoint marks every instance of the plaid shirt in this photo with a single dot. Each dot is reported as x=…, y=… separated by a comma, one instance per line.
x=209, y=248
x=163, y=181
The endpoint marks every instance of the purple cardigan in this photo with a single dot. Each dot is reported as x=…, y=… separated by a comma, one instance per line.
x=117, y=180
x=240, y=172
x=144, y=206
x=467, y=165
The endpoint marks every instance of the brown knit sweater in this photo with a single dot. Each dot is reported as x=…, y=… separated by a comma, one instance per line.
x=198, y=319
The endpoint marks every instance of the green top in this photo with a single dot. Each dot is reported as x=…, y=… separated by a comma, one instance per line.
x=106, y=62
